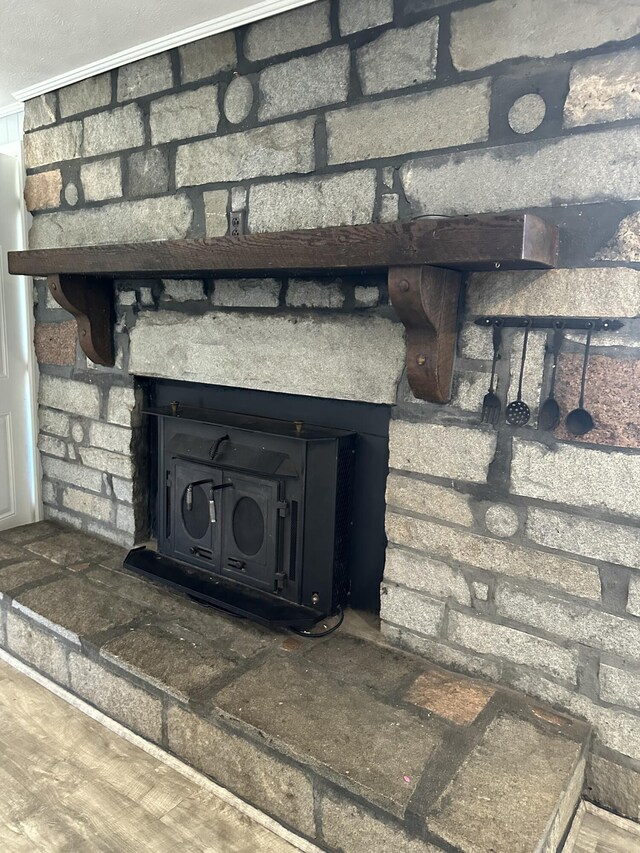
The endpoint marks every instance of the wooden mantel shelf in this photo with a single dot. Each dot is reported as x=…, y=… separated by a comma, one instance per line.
x=424, y=259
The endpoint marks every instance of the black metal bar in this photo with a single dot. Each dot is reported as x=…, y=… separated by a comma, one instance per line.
x=594, y=324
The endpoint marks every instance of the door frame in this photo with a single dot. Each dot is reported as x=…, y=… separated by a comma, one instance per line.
x=25, y=283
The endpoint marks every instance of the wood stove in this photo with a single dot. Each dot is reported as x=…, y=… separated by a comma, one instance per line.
x=253, y=513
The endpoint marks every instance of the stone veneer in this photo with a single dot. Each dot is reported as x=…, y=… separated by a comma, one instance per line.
x=513, y=554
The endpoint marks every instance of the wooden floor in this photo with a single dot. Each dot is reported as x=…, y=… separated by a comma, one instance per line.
x=69, y=784
x=597, y=831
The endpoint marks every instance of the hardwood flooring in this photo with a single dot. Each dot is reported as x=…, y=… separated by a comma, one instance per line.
x=597, y=831
x=70, y=785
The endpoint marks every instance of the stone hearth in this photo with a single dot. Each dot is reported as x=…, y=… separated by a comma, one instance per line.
x=355, y=745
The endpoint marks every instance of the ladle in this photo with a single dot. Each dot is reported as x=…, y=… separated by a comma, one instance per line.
x=579, y=421
x=549, y=416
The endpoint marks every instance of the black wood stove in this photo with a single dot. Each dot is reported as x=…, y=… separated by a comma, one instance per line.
x=253, y=514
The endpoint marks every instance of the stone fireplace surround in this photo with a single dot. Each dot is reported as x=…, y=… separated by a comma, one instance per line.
x=513, y=554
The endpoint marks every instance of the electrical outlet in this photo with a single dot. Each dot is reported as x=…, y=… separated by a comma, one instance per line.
x=237, y=219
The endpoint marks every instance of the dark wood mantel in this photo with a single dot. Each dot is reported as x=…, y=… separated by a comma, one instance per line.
x=424, y=259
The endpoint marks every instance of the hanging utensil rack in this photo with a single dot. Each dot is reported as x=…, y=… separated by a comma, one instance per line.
x=595, y=324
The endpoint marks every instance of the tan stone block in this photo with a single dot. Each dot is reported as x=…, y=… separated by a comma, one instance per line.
x=55, y=343
x=450, y=696
x=603, y=88
x=43, y=190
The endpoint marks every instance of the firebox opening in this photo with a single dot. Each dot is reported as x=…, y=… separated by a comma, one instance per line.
x=243, y=493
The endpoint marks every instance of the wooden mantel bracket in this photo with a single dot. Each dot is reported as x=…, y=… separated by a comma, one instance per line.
x=426, y=301
x=90, y=300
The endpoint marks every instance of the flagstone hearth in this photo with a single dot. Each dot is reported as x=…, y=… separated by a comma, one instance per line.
x=354, y=745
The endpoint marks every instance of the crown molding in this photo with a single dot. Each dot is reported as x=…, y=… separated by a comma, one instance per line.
x=11, y=109
x=255, y=12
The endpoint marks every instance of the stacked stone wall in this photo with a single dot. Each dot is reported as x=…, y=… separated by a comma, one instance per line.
x=514, y=553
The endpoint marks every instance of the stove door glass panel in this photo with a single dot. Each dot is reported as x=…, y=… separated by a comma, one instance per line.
x=195, y=526
x=250, y=530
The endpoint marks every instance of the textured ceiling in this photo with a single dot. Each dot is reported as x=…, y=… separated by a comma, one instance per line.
x=41, y=39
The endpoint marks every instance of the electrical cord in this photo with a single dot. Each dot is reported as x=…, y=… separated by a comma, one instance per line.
x=326, y=633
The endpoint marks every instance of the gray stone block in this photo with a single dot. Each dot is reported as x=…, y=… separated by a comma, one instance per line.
x=407, y=608
x=399, y=58
x=512, y=645
x=272, y=785
x=114, y=130
x=215, y=212
x=451, y=452
x=145, y=77
x=54, y=422
x=123, y=490
x=366, y=297
x=317, y=202
x=494, y=767
x=633, y=600
x=122, y=407
x=588, y=292
x=314, y=294
x=290, y=31
x=148, y=172
x=389, y=208
x=425, y=121
x=101, y=179
x=425, y=574
x=40, y=649
x=169, y=662
x=207, y=57
x=271, y=150
x=347, y=358
x=613, y=786
x=167, y=218
x=238, y=99
x=317, y=702
x=442, y=653
x=571, y=621
x=80, y=398
x=603, y=88
x=71, y=473
x=502, y=521
x=182, y=290
x=495, y=555
x=357, y=15
x=16, y=575
x=52, y=446
x=619, y=686
x=246, y=293
x=625, y=243
x=89, y=94
x=581, y=168
x=102, y=509
x=579, y=476
x=597, y=540
x=53, y=145
x=415, y=495
x=527, y=113
x=304, y=83
x=109, y=437
x=348, y=826
x=193, y=112
x=104, y=460
x=117, y=697
x=614, y=728
x=502, y=29
x=40, y=111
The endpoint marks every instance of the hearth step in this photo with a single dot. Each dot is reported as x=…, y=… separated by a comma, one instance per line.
x=355, y=746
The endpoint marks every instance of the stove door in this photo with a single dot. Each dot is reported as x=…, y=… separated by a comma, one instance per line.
x=196, y=508
x=250, y=526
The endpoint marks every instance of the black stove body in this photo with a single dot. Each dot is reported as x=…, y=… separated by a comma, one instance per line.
x=253, y=514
